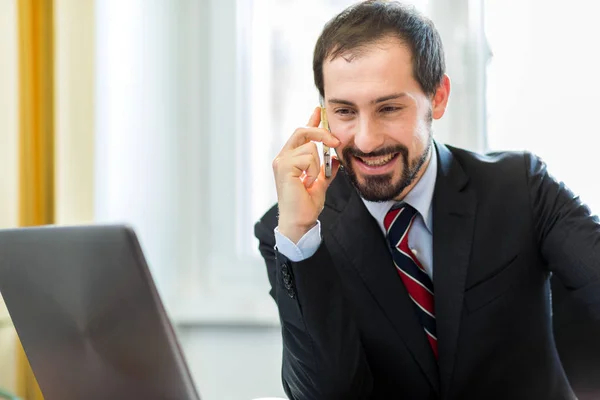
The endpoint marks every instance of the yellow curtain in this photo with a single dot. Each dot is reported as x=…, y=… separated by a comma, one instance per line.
x=36, y=137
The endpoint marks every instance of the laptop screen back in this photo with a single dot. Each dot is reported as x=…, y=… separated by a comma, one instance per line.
x=88, y=314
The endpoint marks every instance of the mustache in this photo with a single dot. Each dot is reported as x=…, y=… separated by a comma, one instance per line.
x=351, y=151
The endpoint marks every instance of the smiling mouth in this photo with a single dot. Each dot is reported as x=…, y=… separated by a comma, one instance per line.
x=377, y=161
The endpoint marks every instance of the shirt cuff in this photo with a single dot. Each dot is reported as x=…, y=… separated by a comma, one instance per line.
x=307, y=246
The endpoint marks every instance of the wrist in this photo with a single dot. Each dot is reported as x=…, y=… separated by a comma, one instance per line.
x=295, y=232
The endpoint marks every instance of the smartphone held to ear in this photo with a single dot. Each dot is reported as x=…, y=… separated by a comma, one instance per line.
x=326, y=149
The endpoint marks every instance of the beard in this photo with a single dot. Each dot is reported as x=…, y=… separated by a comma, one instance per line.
x=380, y=188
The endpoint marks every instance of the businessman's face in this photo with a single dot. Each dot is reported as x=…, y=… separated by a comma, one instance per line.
x=379, y=112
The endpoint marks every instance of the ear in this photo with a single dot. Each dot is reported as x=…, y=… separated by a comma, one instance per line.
x=440, y=98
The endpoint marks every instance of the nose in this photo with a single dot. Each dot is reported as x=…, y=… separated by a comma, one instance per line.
x=368, y=137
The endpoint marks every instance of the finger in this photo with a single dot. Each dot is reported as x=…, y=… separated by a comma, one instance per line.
x=307, y=167
x=310, y=178
x=315, y=118
x=305, y=135
x=304, y=165
x=306, y=148
x=311, y=148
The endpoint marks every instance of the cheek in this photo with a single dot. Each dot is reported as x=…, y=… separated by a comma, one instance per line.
x=400, y=131
x=423, y=131
x=420, y=137
x=411, y=127
x=344, y=133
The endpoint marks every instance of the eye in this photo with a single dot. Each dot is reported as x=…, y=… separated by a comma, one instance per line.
x=344, y=111
x=390, y=109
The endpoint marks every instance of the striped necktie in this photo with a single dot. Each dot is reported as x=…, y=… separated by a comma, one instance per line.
x=419, y=286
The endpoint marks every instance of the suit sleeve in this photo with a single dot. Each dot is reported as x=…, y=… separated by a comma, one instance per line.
x=569, y=239
x=568, y=235
x=322, y=354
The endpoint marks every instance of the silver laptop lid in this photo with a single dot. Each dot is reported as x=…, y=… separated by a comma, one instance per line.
x=89, y=316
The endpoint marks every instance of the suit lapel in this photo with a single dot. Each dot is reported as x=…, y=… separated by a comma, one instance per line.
x=356, y=241
x=454, y=206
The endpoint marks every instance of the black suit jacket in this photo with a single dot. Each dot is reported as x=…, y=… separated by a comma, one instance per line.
x=501, y=226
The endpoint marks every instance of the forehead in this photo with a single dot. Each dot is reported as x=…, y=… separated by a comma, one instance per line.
x=384, y=66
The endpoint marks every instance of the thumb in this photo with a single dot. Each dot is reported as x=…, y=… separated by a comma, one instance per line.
x=315, y=118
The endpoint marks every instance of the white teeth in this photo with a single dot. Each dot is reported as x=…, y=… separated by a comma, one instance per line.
x=375, y=162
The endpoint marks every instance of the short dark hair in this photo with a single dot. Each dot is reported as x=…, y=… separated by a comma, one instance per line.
x=370, y=21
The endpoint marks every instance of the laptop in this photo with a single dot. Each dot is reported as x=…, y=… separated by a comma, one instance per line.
x=88, y=314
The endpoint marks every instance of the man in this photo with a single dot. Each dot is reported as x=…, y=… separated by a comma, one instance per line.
x=418, y=270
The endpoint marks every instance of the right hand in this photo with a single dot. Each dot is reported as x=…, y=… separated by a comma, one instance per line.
x=300, y=179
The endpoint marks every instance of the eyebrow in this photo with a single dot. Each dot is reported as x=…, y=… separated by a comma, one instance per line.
x=378, y=100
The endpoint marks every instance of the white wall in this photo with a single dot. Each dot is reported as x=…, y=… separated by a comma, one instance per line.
x=74, y=102
x=544, y=89
x=8, y=114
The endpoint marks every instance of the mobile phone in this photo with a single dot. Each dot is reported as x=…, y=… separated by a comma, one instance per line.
x=326, y=149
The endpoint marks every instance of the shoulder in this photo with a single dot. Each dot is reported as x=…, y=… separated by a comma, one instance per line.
x=501, y=178
x=510, y=167
x=490, y=162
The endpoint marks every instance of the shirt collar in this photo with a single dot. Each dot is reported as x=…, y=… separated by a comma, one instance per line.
x=420, y=197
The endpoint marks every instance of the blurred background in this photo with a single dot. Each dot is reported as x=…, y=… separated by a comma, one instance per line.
x=166, y=114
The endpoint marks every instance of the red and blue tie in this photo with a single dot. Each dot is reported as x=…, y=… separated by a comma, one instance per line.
x=419, y=286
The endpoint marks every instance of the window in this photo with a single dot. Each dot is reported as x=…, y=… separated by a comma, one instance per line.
x=542, y=86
